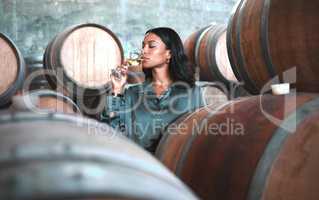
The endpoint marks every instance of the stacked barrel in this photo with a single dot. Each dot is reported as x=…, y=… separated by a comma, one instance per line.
x=40, y=96
x=63, y=156
x=257, y=147
x=207, y=50
x=263, y=41
x=261, y=147
x=81, y=58
x=12, y=69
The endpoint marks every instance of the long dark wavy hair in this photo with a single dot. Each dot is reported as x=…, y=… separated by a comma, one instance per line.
x=179, y=67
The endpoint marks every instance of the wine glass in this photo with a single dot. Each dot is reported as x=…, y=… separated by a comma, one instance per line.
x=134, y=60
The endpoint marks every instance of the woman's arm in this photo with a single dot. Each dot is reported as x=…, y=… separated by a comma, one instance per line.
x=117, y=103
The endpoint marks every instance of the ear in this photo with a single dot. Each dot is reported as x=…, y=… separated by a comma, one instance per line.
x=168, y=54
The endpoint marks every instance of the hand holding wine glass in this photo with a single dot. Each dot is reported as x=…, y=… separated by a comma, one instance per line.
x=119, y=75
x=118, y=79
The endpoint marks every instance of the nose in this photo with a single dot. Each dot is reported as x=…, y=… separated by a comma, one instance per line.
x=144, y=50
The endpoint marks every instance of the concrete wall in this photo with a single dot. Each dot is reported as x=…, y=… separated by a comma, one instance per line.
x=31, y=24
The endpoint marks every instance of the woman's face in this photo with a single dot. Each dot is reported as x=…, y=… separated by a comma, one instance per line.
x=155, y=53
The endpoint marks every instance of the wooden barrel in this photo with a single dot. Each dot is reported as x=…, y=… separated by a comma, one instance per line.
x=267, y=38
x=44, y=100
x=93, y=106
x=262, y=147
x=82, y=58
x=36, y=76
x=212, y=93
x=59, y=156
x=39, y=96
x=207, y=50
x=12, y=69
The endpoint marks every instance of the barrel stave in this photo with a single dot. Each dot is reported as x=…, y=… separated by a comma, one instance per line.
x=219, y=155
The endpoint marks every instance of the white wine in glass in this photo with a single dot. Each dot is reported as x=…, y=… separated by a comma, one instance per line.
x=134, y=61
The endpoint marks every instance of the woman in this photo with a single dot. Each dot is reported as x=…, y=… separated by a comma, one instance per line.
x=142, y=111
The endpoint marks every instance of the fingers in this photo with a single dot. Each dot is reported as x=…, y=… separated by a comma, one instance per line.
x=119, y=75
x=123, y=69
x=115, y=75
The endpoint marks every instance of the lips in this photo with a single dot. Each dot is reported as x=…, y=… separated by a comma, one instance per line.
x=145, y=59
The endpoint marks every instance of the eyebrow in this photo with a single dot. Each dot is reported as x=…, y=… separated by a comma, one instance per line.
x=150, y=41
